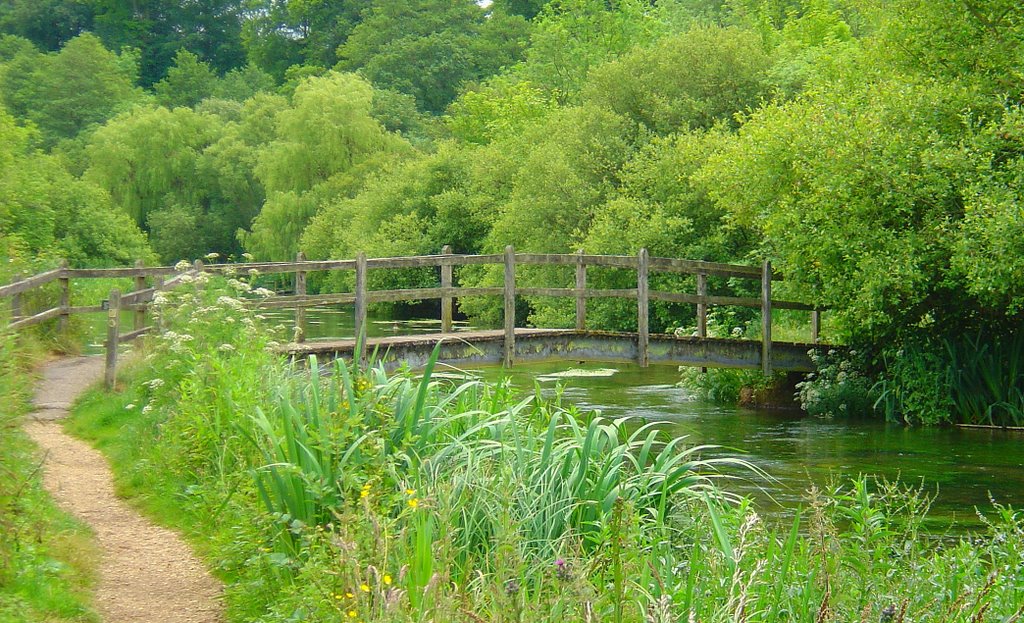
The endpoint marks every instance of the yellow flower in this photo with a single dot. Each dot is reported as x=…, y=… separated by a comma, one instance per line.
x=387, y=579
x=364, y=493
x=414, y=502
x=364, y=587
x=349, y=595
x=351, y=614
x=337, y=596
x=410, y=491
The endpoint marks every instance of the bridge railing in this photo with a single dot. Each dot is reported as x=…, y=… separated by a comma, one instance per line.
x=149, y=280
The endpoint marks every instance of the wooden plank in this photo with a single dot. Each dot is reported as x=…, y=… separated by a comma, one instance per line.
x=137, y=333
x=737, y=301
x=570, y=259
x=509, y=312
x=24, y=285
x=86, y=309
x=300, y=290
x=766, y=318
x=117, y=273
x=642, y=309
x=815, y=326
x=581, y=286
x=446, y=301
x=626, y=293
x=28, y=321
x=113, y=333
x=361, y=302
x=138, y=297
x=695, y=267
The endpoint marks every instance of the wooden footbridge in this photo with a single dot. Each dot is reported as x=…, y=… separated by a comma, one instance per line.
x=506, y=346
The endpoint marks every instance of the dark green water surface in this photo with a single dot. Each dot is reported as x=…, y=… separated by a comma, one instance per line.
x=961, y=468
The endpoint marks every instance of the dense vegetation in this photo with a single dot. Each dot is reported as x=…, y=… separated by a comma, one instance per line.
x=350, y=494
x=870, y=149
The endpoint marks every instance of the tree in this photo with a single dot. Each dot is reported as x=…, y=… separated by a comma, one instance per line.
x=188, y=82
x=47, y=23
x=430, y=48
x=324, y=144
x=81, y=85
x=686, y=81
x=210, y=29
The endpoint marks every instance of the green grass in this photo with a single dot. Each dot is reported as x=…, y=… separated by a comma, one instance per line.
x=352, y=494
x=47, y=559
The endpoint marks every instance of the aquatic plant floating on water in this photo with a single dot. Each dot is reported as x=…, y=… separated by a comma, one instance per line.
x=578, y=373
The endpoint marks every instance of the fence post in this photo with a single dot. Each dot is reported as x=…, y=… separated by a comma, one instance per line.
x=815, y=326
x=113, y=335
x=581, y=285
x=642, y=310
x=446, y=301
x=766, y=318
x=65, y=300
x=300, y=291
x=360, y=319
x=510, y=305
x=139, y=317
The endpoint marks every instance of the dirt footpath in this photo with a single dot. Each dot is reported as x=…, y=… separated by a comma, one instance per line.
x=147, y=573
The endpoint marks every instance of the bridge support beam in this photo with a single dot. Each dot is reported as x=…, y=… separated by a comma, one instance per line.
x=300, y=290
x=446, y=301
x=510, y=306
x=766, y=318
x=581, y=285
x=360, y=319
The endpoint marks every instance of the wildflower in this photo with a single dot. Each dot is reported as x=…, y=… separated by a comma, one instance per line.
x=410, y=491
x=182, y=266
x=156, y=383
x=129, y=406
x=147, y=409
x=212, y=256
x=226, y=348
x=387, y=579
x=247, y=257
x=414, y=503
x=364, y=587
x=352, y=614
x=888, y=613
x=349, y=595
x=365, y=491
x=263, y=292
x=511, y=588
x=562, y=570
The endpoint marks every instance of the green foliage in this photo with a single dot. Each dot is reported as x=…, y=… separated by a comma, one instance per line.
x=65, y=92
x=692, y=80
x=341, y=493
x=838, y=388
x=188, y=82
x=430, y=48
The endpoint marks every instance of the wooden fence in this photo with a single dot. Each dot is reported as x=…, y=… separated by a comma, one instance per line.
x=163, y=277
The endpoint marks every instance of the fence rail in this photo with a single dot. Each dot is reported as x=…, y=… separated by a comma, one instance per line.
x=150, y=280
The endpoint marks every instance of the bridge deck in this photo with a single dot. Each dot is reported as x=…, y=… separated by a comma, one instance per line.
x=487, y=347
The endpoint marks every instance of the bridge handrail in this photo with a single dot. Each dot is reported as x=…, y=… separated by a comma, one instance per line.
x=140, y=299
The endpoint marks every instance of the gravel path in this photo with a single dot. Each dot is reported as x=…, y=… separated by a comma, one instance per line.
x=147, y=573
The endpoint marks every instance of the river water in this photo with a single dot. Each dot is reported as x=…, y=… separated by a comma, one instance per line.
x=961, y=468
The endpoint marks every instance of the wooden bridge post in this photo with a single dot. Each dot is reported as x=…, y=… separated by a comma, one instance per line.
x=300, y=291
x=815, y=326
x=65, y=300
x=139, y=317
x=446, y=301
x=581, y=285
x=702, y=309
x=510, y=305
x=113, y=337
x=360, y=319
x=766, y=318
x=642, y=297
